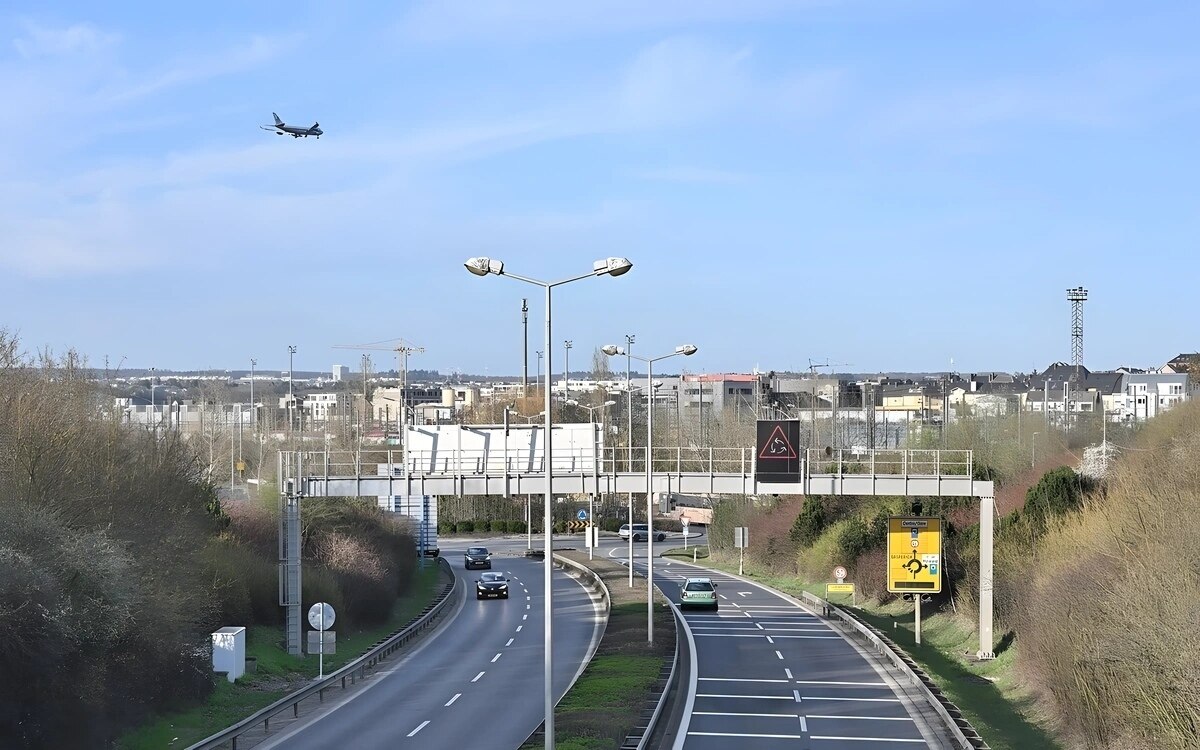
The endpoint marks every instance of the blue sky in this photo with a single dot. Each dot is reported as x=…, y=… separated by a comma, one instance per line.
x=888, y=185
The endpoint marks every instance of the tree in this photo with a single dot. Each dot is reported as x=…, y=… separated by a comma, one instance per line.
x=807, y=527
x=600, y=369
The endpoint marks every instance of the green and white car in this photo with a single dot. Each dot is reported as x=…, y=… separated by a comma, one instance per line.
x=698, y=592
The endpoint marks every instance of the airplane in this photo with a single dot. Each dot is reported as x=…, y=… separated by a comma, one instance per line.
x=295, y=131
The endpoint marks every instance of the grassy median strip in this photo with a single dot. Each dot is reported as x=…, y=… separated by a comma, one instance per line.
x=988, y=693
x=604, y=705
x=277, y=674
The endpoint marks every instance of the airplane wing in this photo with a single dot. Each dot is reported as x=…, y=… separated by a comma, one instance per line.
x=269, y=128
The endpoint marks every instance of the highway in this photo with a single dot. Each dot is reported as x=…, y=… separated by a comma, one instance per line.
x=477, y=682
x=771, y=674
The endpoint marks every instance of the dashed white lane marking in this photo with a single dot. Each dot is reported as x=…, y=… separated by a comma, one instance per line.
x=859, y=739
x=770, y=640
x=796, y=695
x=519, y=628
x=755, y=697
x=510, y=640
x=760, y=627
x=864, y=718
x=528, y=598
x=780, y=657
x=476, y=678
x=803, y=725
x=496, y=658
x=734, y=713
x=739, y=734
x=858, y=700
x=528, y=607
x=787, y=671
x=420, y=726
x=525, y=617
x=451, y=701
x=851, y=684
x=727, y=599
x=736, y=679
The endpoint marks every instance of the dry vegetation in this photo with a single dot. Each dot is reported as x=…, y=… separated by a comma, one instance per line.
x=1108, y=618
x=118, y=561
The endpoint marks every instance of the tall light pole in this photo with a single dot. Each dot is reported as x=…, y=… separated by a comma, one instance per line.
x=525, y=350
x=539, y=368
x=567, y=368
x=595, y=468
x=153, y=416
x=1033, y=452
x=253, y=408
x=686, y=350
x=629, y=339
x=291, y=397
x=605, y=266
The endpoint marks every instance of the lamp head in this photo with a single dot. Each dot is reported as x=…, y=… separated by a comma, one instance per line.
x=612, y=349
x=611, y=266
x=483, y=266
x=686, y=350
x=609, y=403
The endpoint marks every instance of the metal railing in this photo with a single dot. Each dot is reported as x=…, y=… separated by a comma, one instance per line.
x=354, y=671
x=615, y=460
x=963, y=734
x=671, y=683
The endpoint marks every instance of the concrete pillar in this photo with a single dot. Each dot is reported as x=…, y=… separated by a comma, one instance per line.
x=987, y=515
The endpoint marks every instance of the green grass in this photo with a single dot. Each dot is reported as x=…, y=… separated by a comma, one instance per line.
x=602, y=707
x=989, y=693
x=277, y=674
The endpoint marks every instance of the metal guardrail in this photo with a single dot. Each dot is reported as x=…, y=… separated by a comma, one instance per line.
x=599, y=583
x=671, y=684
x=354, y=670
x=964, y=734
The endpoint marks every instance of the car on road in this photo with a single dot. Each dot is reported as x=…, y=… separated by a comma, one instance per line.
x=698, y=592
x=477, y=557
x=640, y=532
x=491, y=585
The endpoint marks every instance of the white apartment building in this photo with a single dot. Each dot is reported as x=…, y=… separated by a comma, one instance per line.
x=1146, y=395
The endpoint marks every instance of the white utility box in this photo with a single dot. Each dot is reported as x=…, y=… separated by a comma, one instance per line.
x=229, y=652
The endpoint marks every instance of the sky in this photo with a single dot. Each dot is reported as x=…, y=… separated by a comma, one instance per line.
x=879, y=185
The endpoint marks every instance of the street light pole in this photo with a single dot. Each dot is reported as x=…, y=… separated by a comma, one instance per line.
x=253, y=408
x=610, y=267
x=291, y=397
x=686, y=350
x=539, y=368
x=1033, y=454
x=525, y=350
x=567, y=368
x=629, y=338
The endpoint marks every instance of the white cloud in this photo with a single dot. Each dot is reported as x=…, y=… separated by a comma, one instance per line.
x=78, y=38
x=515, y=20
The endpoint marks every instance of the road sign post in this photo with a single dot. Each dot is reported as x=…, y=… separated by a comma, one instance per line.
x=684, y=523
x=741, y=540
x=914, y=559
x=321, y=617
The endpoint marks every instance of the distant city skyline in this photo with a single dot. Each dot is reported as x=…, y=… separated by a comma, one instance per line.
x=887, y=185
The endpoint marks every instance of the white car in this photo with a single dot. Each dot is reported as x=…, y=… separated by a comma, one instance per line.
x=640, y=532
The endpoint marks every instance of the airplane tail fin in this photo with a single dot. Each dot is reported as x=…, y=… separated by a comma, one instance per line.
x=316, y=125
x=277, y=120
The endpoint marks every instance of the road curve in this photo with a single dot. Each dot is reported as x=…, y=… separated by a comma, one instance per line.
x=477, y=683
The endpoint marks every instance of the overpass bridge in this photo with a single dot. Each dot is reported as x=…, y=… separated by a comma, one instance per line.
x=495, y=467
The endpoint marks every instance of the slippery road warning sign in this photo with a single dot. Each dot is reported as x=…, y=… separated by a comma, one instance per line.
x=914, y=555
x=777, y=457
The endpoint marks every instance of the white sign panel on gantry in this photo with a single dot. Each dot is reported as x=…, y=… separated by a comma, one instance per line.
x=483, y=449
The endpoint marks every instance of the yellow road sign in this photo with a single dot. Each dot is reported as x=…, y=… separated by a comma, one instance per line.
x=914, y=555
x=839, y=588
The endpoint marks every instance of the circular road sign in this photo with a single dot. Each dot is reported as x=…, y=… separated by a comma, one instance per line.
x=581, y=515
x=315, y=619
x=839, y=573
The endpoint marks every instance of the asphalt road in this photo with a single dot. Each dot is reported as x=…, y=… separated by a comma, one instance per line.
x=478, y=682
x=773, y=675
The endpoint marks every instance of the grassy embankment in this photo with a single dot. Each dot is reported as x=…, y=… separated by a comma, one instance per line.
x=602, y=707
x=988, y=693
x=277, y=674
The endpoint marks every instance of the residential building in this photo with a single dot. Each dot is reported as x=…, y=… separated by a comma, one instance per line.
x=1181, y=363
x=1146, y=395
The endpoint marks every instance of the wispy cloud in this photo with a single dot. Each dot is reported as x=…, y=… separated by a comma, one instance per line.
x=687, y=174
x=39, y=41
x=517, y=20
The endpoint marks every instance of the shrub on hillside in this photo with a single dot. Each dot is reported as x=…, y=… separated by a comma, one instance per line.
x=499, y=526
x=810, y=523
x=465, y=527
x=516, y=527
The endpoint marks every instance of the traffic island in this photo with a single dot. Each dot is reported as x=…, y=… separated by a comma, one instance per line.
x=623, y=681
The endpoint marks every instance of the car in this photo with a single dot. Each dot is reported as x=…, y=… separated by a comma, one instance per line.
x=477, y=557
x=491, y=585
x=698, y=592
x=640, y=532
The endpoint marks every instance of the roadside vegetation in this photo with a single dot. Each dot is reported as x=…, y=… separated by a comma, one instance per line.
x=119, y=561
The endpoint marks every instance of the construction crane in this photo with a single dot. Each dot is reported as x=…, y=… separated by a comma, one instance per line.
x=402, y=349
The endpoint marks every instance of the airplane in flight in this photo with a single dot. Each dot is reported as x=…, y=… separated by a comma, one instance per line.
x=295, y=131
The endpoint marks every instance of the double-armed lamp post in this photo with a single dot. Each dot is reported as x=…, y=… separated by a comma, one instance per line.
x=591, y=543
x=602, y=267
x=686, y=350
